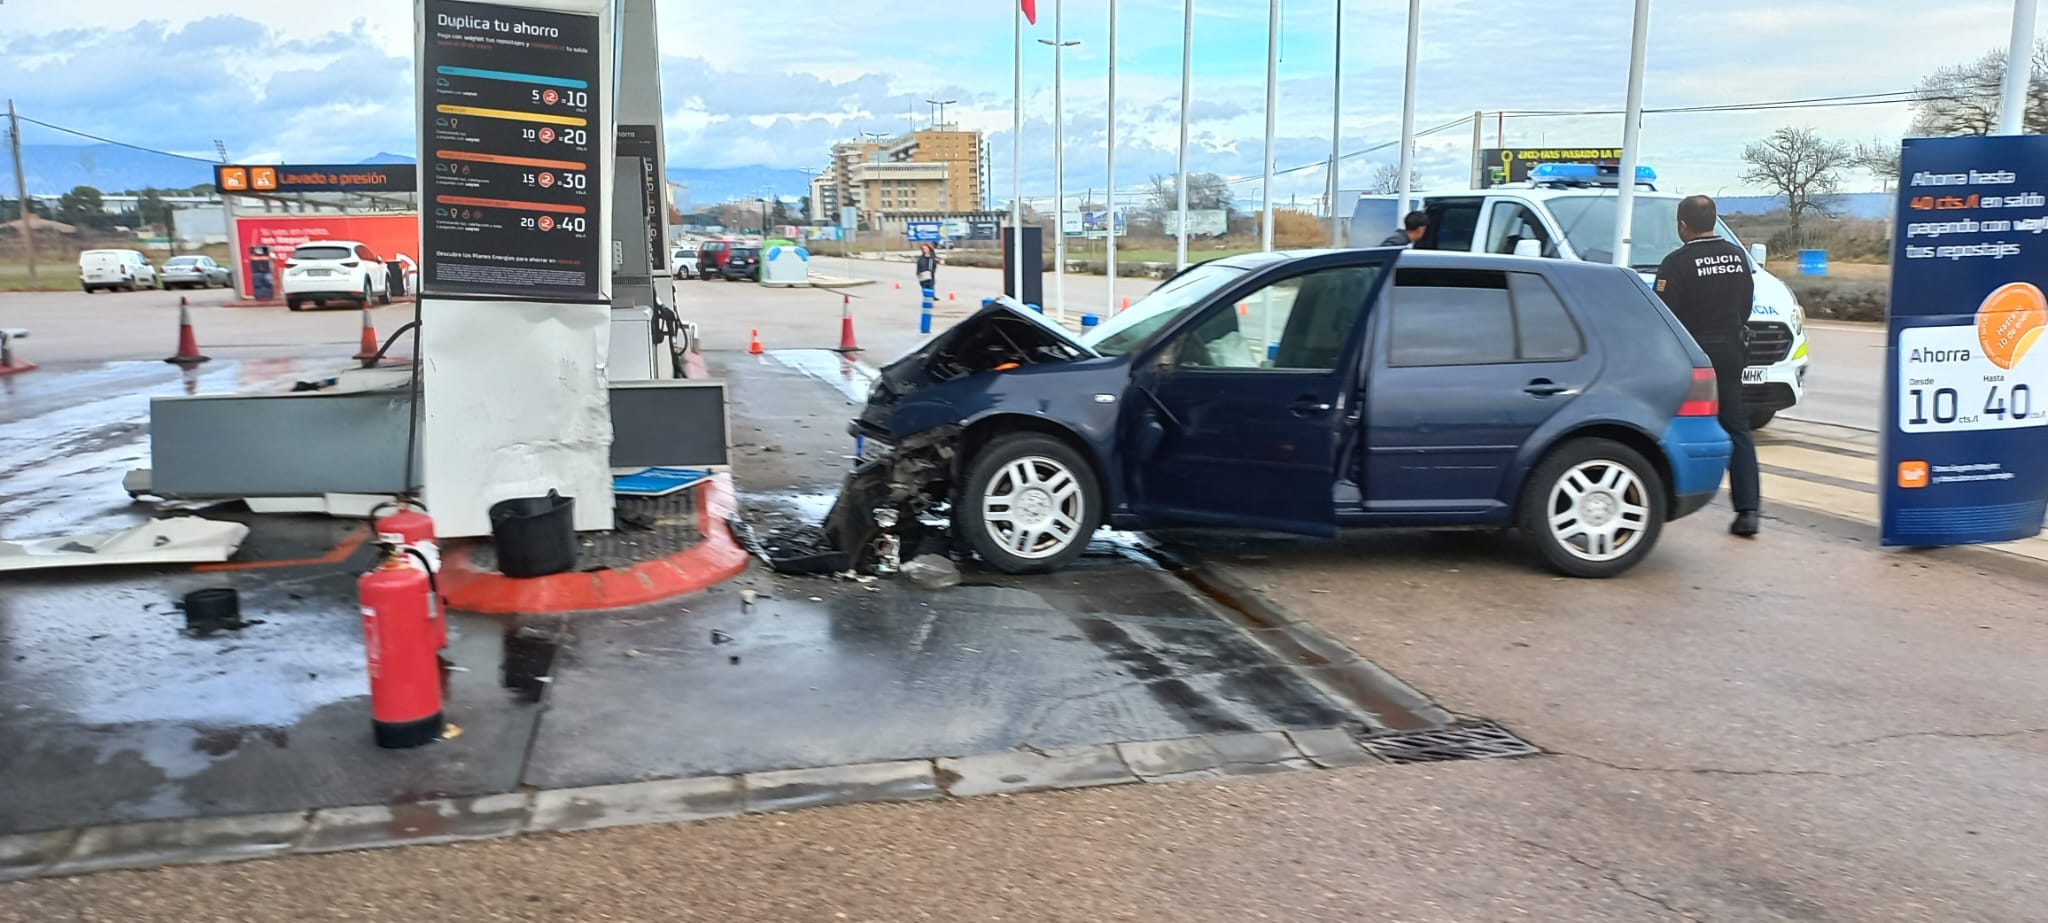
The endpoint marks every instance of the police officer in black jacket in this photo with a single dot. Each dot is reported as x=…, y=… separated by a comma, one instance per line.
x=1707, y=284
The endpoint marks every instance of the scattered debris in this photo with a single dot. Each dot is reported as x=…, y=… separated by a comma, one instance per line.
x=932, y=572
x=719, y=637
x=185, y=539
x=451, y=731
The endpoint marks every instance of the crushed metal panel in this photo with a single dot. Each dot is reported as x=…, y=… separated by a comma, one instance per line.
x=279, y=445
x=670, y=423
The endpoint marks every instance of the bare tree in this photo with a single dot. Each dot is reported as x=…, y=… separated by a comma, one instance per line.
x=1206, y=192
x=1800, y=165
x=1877, y=157
x=1962, y=99
x=1386, y=179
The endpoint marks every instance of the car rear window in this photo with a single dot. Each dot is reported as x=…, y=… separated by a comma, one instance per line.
x=322, y=253
x=745, y=251
x=182, y=261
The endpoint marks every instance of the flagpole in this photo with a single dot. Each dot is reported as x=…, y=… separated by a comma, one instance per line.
x=1336, y=123
x=1272, y=103
x=1187, y=65
x=1408, y=114
x=1017, y=158
x=1111, y=137
x=1059, y=159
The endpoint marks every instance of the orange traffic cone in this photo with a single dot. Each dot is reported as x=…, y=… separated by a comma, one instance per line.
x=188, y=345
x=8, y=363
x=846, y=343
x=949, y=297
x=368, y=354
x=1127, y=304
x=896, y=285
x=754, y=345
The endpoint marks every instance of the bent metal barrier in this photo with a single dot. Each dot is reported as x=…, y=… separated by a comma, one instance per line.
x=1966, y=430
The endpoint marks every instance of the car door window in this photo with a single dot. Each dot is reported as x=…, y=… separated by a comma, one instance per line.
x=1451, y=225
x=1509, y=224
x=1301, y=323
x=1468, y=317
x=1544, y=329
x=1450, y=317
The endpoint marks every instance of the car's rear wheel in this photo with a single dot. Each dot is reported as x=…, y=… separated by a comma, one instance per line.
x=294, y=304
x=1593, y=508
x=1029, y=504
x=1758, y=419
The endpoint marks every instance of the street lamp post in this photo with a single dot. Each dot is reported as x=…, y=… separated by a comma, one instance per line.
x=1631, y=138
x=1110, y=137
x=1336, y=121
x=941, y=104
x=1272, y=103
x=1180, y=183
x=1059, y=165
x=2012, y=106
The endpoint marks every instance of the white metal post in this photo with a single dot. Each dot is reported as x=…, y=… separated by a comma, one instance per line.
x=1187, y=69
x=1336, y=123
x=1111, y=138
x=1272, y=104
x=1016, y=255
x=1059, y=163
x=1631, y=135
x=2019, y=68
x=1408, y=112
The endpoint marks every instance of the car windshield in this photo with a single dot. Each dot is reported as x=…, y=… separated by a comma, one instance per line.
x=1154, y=312
x=322, y=253
x=1588, y=222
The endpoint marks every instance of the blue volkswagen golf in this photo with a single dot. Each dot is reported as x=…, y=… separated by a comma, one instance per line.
x=1305, y=393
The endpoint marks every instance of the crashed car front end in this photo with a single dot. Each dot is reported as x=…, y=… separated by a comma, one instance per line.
x=1003, y=366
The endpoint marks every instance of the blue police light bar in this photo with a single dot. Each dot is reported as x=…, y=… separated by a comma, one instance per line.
x=1586, y=174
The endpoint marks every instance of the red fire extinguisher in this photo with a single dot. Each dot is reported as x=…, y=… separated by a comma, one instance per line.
x=409, y=525
x=400, y=637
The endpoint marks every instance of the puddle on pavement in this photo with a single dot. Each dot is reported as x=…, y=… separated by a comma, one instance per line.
x=848, y=375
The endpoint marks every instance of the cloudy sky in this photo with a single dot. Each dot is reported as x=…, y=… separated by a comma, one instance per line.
x=775, y=84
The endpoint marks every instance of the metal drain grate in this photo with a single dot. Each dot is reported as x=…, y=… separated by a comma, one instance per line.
x=1485, y=740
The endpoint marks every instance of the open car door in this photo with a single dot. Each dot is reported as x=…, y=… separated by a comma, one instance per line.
x=1236, y=417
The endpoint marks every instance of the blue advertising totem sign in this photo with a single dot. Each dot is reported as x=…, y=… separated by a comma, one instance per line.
x=1966, y=429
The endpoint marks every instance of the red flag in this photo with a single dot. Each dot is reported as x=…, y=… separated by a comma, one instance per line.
x=1030, y=8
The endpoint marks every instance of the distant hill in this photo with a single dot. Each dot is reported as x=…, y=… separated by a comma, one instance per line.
x=57, y=168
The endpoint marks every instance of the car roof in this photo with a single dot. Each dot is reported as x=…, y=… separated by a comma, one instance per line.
x=331, y=243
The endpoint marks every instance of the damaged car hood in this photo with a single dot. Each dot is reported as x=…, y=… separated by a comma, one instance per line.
x=1003, y=336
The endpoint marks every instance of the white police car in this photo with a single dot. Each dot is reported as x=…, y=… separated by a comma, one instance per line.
x=1567, y=211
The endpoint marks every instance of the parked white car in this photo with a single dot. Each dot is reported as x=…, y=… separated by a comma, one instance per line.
x=126, y=270
x=685, y=260
x=1573, y=218
x=325, y=271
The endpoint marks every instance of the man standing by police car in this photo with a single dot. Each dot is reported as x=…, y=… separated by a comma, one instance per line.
x=1707, y=284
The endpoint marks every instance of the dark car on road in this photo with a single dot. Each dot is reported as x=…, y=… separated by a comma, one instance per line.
x=741, y=262
x=1307, y=393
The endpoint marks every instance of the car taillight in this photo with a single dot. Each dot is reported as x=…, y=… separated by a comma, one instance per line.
x=350, y=264
x=1703, y=399
x=291, y=264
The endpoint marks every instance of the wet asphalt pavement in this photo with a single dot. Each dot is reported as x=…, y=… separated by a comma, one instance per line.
x=118, y=713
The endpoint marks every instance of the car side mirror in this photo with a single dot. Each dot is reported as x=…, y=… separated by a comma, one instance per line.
x=1528, y=246
x=1757, y=254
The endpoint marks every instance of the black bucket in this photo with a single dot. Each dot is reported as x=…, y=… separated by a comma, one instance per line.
x=213, y=609
x=534, y=536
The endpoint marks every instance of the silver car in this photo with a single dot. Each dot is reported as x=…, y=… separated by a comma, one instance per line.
x=194, y=272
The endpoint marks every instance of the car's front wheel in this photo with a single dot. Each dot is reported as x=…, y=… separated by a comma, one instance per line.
x=1593, y=508
x=1029, y=504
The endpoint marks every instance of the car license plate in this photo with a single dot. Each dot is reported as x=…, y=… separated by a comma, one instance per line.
x=323, y=272
x=1752, y=376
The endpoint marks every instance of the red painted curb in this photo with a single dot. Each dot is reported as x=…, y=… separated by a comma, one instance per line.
x=714, y=560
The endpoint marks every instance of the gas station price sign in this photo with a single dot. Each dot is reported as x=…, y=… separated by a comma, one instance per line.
x=511, y=129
